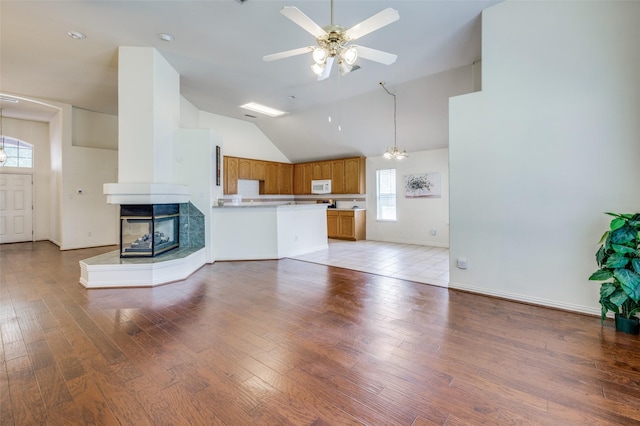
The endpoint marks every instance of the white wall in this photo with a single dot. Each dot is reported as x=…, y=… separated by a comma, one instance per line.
x=37, y=134
x=195, y=167
x=149, y=115
x=55, y=184
x=550, y=144
x=87, y=218
x=240, y=138
x=94, y=130
x=416, y=217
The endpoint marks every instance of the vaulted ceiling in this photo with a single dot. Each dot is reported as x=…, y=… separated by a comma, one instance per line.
x=218, y=48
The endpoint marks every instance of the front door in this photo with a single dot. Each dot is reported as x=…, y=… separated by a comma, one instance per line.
x=16, y=208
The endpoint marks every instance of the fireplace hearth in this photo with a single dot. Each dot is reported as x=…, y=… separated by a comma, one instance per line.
x=147, y=230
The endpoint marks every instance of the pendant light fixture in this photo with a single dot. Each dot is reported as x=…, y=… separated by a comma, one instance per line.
x=394, y=153
x=3, y=153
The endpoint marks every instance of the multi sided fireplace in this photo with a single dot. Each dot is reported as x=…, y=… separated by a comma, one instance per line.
x=147, y=230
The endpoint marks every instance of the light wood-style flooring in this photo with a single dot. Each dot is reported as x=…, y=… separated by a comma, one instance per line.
x=292, y=342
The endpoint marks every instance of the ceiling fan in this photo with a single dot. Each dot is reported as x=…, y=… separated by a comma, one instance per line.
x=333, y=42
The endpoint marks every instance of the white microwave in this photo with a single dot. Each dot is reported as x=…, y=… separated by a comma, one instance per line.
x=321, y=186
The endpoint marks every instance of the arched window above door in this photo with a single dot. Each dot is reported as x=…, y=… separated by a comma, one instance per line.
x=19, y=153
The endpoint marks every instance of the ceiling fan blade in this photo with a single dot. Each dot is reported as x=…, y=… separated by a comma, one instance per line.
x=287, y=53
x=376, y=55
x=303, y=21
x=377, y=21
x=327, y=69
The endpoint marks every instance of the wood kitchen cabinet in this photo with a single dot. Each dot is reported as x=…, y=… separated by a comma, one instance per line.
x=337, y=177
x=321, y=170
x=274, y=177
x=347, y=175
x=244, y=168
x=230, y=176
x=303, y=178
x=285, y=178
x=354, y=175
x=298, y=179
x=258, y=170
x=346, y=224
x=270, y=178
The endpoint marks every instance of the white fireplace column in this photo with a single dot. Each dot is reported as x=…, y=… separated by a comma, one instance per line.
x=148, y=118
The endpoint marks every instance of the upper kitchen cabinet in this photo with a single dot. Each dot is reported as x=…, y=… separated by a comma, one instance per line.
x=347, y=175
x=270, y=178
x=230, y=176
x=337, y=176
x=298, y=179
x=258, y=170
x=285, y=178
x=244, y=168
x=321, y=170
x=355, y=175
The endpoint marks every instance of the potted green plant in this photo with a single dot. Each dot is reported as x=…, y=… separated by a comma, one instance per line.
x=618, y=260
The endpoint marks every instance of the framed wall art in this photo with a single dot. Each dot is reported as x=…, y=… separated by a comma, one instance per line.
x=218, y=165
x=427, y=185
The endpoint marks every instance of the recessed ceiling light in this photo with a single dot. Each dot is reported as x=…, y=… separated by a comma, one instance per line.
x=77, y=35
x=271, y=112
x=292, y=97
x=165, y=37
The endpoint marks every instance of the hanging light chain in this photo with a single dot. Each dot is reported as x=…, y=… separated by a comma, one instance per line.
x=394, y=152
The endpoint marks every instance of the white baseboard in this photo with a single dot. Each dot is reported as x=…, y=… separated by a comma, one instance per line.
x=526, y=299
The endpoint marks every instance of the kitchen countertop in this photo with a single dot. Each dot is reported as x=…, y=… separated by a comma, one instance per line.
x=271, y=205
x=343, y=209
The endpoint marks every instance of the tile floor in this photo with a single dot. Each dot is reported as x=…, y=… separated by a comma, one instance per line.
x=424, y=264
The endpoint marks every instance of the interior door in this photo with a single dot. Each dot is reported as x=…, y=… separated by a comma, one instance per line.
x=16, y=208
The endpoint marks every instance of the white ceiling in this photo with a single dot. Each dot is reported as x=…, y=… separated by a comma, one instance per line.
x=218, y=50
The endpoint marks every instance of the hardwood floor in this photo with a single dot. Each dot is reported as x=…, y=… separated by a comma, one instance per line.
x=291, y=342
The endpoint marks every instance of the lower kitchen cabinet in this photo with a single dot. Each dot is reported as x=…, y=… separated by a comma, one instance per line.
x=346, y=224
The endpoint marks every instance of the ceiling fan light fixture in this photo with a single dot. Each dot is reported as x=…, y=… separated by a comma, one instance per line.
x=349, y=55
x=320, y=55
x=317, y=69
x=332, y=41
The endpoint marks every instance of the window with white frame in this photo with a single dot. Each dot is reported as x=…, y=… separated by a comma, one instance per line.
x=19, y=153
x=386, y=194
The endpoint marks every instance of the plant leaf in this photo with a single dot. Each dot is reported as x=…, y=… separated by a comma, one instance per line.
x=616, y=261
x=601, y=275
x=617, y=223
x=636, y=264
x=620, y=249
x=618, y=298
x=606, y=289
x=604, y=237
x=600, y=255
x=630, y=282
x=623, y=235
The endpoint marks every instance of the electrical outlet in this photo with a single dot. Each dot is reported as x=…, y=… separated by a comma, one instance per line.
x=434, y=232
x=462, y=263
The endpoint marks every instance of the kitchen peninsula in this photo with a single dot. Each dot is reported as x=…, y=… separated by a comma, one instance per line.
x=261, y=231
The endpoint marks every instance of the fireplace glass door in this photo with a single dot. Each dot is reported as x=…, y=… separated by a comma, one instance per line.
x=148, y=230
